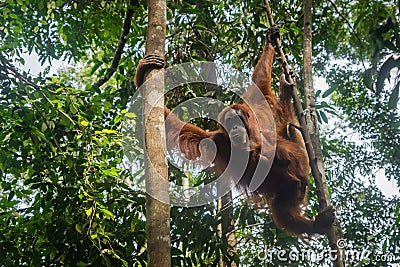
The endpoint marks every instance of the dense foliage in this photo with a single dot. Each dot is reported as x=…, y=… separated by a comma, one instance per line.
x=64, y=196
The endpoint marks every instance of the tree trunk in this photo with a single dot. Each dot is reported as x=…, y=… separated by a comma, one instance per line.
x=156, y=168
x=227, y=227
x=335, y=234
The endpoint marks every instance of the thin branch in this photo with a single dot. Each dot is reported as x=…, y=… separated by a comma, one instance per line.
x=28, y=81
x=352, y=29
x=120, y=48
x=18, y=75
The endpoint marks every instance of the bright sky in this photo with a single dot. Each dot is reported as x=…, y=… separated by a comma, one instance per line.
x=388, y=188
x=33, y=65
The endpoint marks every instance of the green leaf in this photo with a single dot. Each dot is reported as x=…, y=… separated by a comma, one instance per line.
x=323, y=104
x=107, y=131
x=84, y=123
x=36, y=132
x=44, y=127
x=328, y=92
x=11, y=195
x=17, y=29
x=73, y=109
x=130, y=115
x=79, y=228
x=108, y=213
x=367, y=78
x=95, y=67
x=323, y=116
x=89, y=211
x=111, y=172
x=394, y=97
x=200, y=27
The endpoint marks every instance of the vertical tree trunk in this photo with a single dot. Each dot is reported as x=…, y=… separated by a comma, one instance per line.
x=227, y=226
x=319, y=173
x=156, y=168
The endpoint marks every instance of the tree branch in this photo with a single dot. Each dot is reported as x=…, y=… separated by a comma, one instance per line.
x=28, y=81
x=16, y=74
x=316, y=162
x=122, y=41
x=352, y=29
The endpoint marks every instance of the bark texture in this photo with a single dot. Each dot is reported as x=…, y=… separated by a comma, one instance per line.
x=335, y=233
x=156, y=168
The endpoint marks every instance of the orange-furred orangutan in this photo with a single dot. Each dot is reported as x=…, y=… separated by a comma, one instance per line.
x=285, y=185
